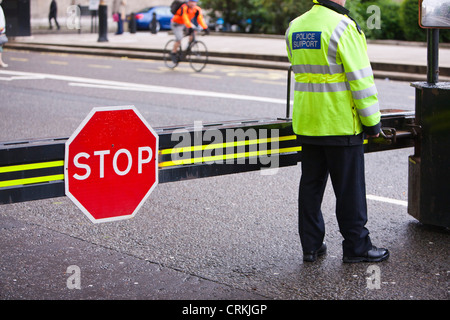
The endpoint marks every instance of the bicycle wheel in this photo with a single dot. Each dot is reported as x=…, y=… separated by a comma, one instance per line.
x=198, y=56
x=168, y=57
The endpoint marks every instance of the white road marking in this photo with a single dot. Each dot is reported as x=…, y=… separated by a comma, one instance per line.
x=387, y=200
x=21, y=78
x=118, y=85
x=56, y=62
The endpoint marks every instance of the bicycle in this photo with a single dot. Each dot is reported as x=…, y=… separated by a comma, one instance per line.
x=195, y=53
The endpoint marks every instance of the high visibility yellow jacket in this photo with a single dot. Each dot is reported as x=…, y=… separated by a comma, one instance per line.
x=335, y=93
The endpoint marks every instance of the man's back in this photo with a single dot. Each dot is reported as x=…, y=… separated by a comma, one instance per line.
x=334, y=81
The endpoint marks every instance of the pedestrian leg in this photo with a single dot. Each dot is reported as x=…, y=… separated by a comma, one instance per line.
x=347, y=174
x=312, y=186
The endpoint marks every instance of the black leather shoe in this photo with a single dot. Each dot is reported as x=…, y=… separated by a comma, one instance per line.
x=373, y=255
x=312, y=256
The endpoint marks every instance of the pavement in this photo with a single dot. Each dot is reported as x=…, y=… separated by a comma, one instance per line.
x=418, y=270
x=396, y=60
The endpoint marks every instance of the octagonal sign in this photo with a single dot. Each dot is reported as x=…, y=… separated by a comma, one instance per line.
x=111, y=163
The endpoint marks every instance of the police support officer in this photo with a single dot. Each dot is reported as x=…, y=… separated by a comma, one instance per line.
x=335, y=103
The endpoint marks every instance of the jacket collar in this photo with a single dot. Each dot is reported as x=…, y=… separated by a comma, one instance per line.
x=338, y=8
x=333, y=6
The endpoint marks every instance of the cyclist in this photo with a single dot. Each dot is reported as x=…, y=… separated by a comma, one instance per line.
x=184, y=17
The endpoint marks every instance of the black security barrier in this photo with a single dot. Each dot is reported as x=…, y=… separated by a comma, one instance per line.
x=32, y=170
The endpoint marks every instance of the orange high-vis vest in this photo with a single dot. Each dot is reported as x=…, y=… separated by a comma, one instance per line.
x=185, y=15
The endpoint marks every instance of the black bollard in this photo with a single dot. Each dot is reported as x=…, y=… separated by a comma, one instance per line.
x=153, y=24
x=102, y=23
x=132, y=23
x=429, y=174
x=428, y=185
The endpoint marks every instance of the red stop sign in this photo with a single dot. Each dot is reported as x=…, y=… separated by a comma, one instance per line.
x=111, y=163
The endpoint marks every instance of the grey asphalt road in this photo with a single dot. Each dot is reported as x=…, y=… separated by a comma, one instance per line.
x=228, y=237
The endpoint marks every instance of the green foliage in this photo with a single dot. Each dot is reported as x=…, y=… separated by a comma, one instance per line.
x=398, y=20
x=268, y=16
x=409, y=21
x=279, y=13
x=231, y=11
x=389, y=18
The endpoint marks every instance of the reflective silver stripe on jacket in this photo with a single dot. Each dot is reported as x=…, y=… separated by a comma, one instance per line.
x=287, y=40
x=359, y=74
x=322, y=87
x=367, y=112
x=318, y=69
x=361, y=94
x=334, y=40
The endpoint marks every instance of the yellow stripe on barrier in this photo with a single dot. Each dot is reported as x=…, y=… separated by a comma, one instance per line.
x=19, y=182
x=32, y=166
x=226, y=145
x=227, y=157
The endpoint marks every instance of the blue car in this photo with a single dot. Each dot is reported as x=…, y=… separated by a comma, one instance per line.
x=145, y=16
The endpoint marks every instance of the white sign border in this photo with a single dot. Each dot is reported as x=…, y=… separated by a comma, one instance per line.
x=66, y=163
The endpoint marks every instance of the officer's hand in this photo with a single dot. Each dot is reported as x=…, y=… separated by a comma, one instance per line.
x=206, y=31
x=373, y=136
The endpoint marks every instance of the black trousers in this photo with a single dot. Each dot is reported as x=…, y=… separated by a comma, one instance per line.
x=345, y=166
